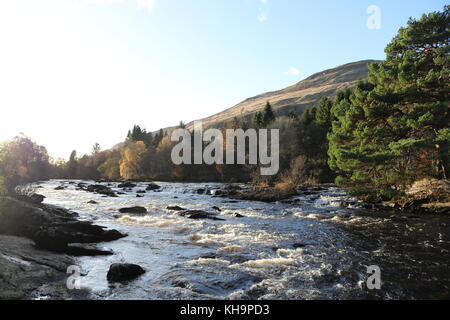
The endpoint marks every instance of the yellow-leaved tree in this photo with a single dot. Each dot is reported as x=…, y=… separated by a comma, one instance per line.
x=131, y=162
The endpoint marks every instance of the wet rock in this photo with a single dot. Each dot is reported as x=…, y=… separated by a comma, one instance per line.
x=141, y=191
x=217, y=208
x=299, y=245
x=344, y=204
x=152, y=186
x=101, y=189
x=34, y=198
x=60, y=188
x=86, y=250
x=139, y=196
x=30, y=273
x=199, y=214
x=205, y=280
x=238, y=215
x=50, y=227
x=120, y=272
x=134, y=210
x=126, y=185
x=201, y=191
x=217, y=192
x=92, y=202
x=265, y=195
x=175, y=208
x=51, y=239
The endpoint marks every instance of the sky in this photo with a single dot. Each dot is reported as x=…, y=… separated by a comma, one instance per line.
x=77, y=72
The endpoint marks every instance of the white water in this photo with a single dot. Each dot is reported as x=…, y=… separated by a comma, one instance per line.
x=251, y=257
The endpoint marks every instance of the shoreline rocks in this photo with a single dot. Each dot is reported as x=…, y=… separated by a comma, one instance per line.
x=50, y=227
x=37, y=243
x=430, y=196
x=30, y=273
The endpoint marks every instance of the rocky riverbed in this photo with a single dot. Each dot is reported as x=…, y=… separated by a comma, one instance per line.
x=202, y=241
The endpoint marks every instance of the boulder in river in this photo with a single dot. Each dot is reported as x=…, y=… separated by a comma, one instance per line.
x=126, y=185
x=119, y=272
x=92, y=202
x=101, y=189
x=152, y=186
x=199, y=214
x=134, y=210
x=175, y=208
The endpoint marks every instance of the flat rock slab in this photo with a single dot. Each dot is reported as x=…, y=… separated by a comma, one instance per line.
x=29, y=273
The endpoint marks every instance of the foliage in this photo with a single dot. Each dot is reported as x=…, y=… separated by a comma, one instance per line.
x=22, y=161
x=393, y=129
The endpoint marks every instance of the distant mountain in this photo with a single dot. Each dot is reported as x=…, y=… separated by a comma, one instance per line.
x=298, y=97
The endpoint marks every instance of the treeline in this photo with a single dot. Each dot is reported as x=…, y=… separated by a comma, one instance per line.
x=375, y=139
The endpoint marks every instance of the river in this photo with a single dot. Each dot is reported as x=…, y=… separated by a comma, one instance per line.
x=307, y=248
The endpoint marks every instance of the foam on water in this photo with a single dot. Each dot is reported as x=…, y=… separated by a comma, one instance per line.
x=311, y=248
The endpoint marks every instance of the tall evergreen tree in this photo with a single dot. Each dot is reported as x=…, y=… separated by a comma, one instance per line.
x=267, y=116
x=394, y=129
x=257, y=119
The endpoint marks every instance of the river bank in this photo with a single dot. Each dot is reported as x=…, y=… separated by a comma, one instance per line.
x=37, y=245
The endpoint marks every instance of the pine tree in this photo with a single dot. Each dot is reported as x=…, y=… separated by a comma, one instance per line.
x=323, y=112
x=257, y=120
x=267, y=116
x=394, y=129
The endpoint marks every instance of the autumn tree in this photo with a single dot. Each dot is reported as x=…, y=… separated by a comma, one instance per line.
x=22, y=161
x=131, y=161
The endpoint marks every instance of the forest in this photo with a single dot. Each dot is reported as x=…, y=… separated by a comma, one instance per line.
x=374, y=139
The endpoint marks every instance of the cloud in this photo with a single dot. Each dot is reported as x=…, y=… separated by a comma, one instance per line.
x=263, y=16
x=293, y=71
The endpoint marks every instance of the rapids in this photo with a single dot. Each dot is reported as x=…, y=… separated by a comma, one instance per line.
x=308, y=248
